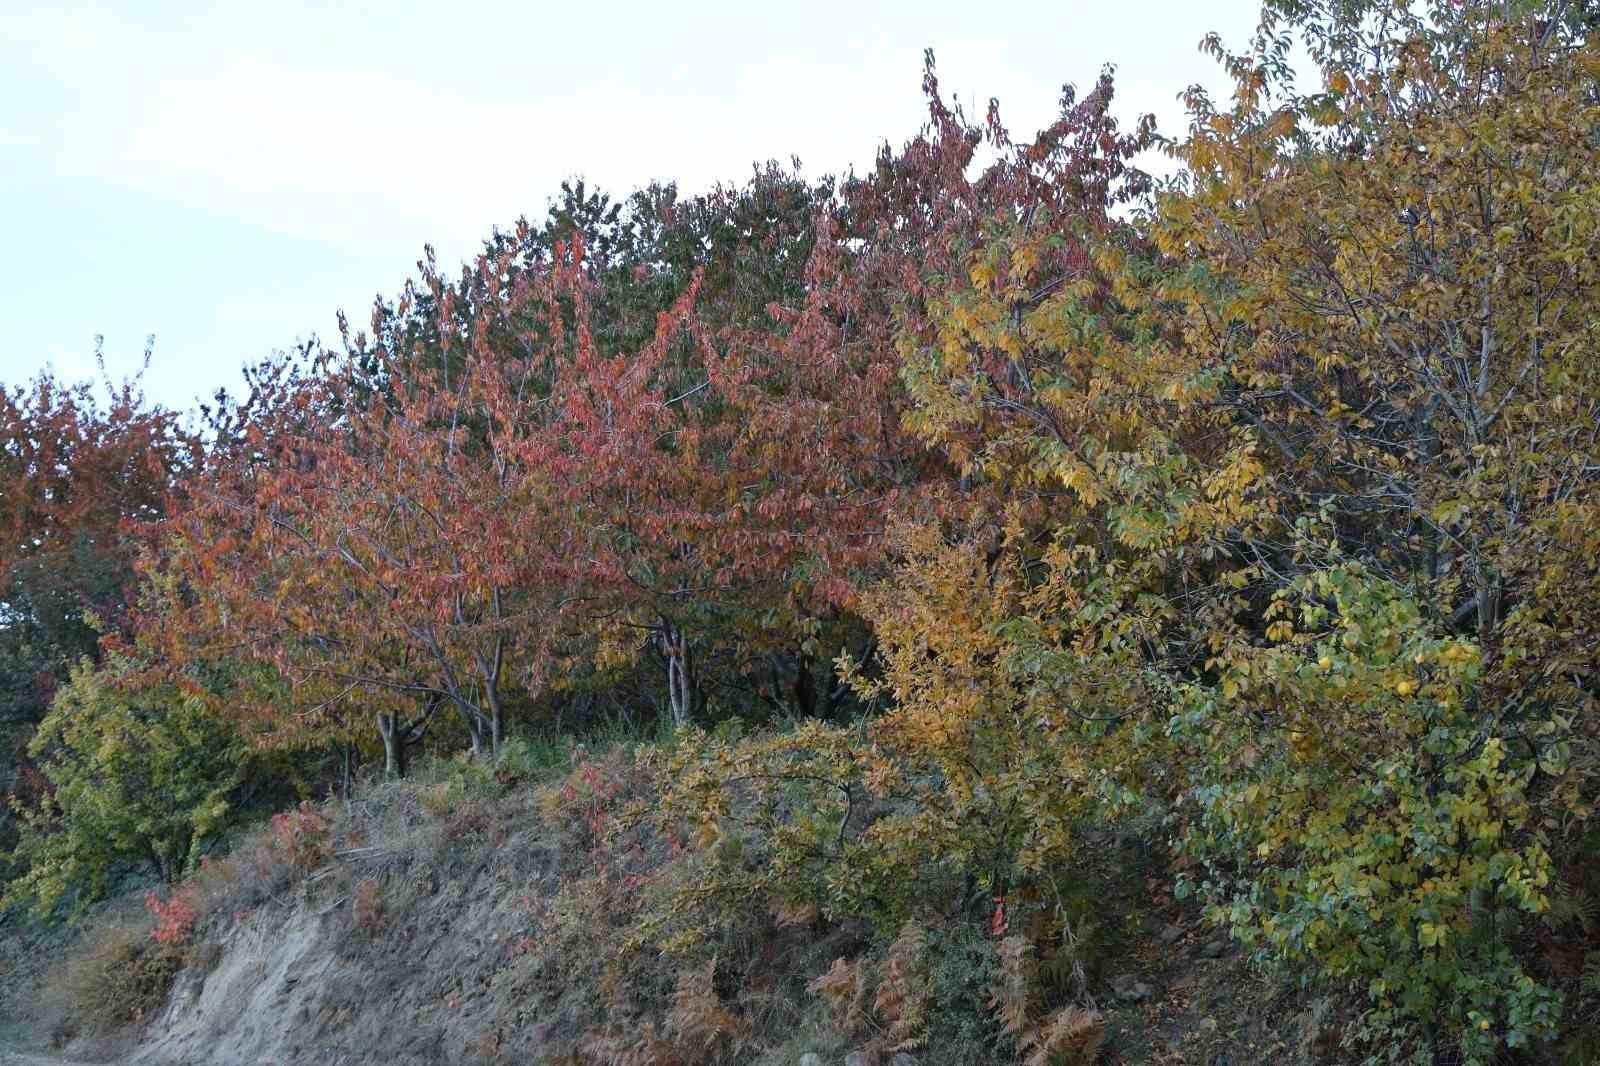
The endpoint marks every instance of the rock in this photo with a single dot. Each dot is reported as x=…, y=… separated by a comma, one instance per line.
x=1172, y=934
x=1214, y=950
x=811, y=1058
x=1130, y=988
x=857, y=1058
x=902, y=1059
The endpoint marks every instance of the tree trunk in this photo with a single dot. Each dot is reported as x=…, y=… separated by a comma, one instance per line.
x=393, y=733
x=492, y=693
x=682, y=685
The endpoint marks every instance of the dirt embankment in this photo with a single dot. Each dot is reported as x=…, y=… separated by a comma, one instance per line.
x=422, y=979
x=392, y=950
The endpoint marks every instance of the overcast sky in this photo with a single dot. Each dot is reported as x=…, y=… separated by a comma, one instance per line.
x=227, y=176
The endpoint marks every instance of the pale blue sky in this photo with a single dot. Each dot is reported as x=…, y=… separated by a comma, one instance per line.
x=227, y=176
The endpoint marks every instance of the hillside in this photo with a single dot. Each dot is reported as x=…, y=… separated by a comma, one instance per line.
x=998, y=606
x=418, y=935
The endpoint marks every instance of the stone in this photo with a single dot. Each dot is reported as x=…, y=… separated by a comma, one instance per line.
x=811, y=1058
x=857, y=1058
x=1172, y=934
x=1130, y=988
x=1214, y=950
x=902, y=1059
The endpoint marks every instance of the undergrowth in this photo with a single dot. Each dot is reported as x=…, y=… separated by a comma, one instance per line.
x=621, y=937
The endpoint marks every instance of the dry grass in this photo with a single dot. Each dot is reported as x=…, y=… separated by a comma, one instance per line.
x=120, y=977
x=366, y=906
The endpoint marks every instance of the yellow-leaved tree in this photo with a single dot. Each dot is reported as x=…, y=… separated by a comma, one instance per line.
x=1278, y=511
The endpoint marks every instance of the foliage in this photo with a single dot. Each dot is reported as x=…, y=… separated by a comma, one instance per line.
x=175, y=916
x=141, y=777
x=1398, y=310
x=1029, y=494
x=1421, y=851
x=83, y=475
x=86, y=473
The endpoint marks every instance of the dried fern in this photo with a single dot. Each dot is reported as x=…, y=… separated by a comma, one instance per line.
x=1069, y=1037
x=844, y=989
x=697, y=1019
x=904, y=995
x=1012, y=991
x=644, y=1047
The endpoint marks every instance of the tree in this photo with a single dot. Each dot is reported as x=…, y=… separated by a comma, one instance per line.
x=1394, y=290
x=382, y=549
x=1306, y=458
x=141, y=777
x=85, y=479
x=83, y=476
x=734, y=490
x=937, y=371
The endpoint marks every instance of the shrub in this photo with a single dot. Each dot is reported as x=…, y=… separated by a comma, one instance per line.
x=175, y=916
x=1363, y=820
x=302, y=836
x=140, y=778
x=122, y=977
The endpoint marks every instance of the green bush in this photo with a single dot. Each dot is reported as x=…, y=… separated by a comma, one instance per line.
x=1363, y=820
x=140, y=780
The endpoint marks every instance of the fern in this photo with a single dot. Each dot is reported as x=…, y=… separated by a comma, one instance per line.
x=1573, y=908
x=844, y=988
x=1589, y=982
x=1069, y=1037
x=904, y=996
x=697, y=1019
x=611, y=1047
x=1013, y=988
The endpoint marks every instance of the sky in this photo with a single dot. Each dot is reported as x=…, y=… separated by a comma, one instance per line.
x=227, y=177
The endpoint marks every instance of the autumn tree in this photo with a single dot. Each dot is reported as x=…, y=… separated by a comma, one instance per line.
x=1390, y=295
x=86, y=471
x=935, y=369
x=1290, y=476
x=381, y=549
x=83, y=475
x=1309, y=450
x=746, y=462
